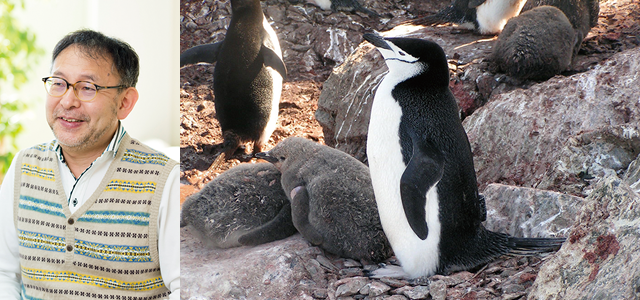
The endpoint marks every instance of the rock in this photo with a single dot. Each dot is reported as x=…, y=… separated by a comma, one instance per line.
x=601, y=259
x=592, y=155
x=418, y=292
x=348, y=286
x=632, y=176
x=527, y=212
x=272, y=270
x=438, y=290
x=377, y=288
x=526, y=129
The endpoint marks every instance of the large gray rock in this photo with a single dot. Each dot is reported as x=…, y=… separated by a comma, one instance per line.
x=601, y=258
x=277, y=270
x=590, y=156
x=527, y=212
x=518, y=136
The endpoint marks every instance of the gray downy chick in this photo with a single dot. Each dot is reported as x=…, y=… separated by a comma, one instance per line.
x=583, y=14
x=241, y=207
x=536, y=45
x=332, y=199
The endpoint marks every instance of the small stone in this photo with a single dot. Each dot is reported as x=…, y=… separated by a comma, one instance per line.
x=513, y=296
x=438, y=290
x=512, y=288
x=394, y=282
x=351, y=272
x=320, y=293
x=351, y=286
x=377, y=288
x=365, y=289
x=325, y=262
x=396, y=297
x=350, y=263
x=418, y=292
x=401, y=290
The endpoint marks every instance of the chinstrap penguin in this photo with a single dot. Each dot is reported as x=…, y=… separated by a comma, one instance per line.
x=247, y=79
x=241, y=207
x=422, y=167
x=485, y=16
x=332, y=200
x=536, y=45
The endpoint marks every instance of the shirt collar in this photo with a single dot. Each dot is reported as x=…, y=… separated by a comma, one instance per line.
x=113, y=145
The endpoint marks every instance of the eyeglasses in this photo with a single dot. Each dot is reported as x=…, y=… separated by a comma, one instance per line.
x=84, y=90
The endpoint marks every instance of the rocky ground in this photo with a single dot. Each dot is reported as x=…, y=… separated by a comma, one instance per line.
x=316, y=41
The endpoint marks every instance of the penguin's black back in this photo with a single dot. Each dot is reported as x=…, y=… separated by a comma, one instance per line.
x=242, y=84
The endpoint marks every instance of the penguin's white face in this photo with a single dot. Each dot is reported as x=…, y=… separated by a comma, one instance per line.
x=395, y=53
x=402, y=65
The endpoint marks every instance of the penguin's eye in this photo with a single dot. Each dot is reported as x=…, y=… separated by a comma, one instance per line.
x=281, y=158
x=402, y=53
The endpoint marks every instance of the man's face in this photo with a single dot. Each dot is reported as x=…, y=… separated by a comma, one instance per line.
x=82, y=125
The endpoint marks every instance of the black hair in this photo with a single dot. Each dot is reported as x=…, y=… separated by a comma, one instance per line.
x=95, y=44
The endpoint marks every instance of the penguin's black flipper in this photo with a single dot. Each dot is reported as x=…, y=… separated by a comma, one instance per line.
x=207, y=53
x=271, y=59
x=300, y=215
x=278, y=228
x=530, y=246
x=424, y=171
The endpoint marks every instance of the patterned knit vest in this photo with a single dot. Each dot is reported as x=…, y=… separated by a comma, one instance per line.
x=108, y=248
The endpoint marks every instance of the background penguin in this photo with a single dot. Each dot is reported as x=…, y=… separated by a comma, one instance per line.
x=242, y=206
x=536, y=45
x=485, y=16
x=332, y=200
x=422, y=167
x=247, y=79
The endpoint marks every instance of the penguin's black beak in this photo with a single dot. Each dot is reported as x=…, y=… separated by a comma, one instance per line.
x=266, y=156
x=377, y=40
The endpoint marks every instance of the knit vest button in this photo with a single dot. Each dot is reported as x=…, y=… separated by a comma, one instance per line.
x=69, y=248
x=70, y=221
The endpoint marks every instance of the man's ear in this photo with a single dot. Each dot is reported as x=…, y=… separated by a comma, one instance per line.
x=128, y=101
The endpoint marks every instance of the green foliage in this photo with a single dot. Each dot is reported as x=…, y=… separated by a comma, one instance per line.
x=18, y=54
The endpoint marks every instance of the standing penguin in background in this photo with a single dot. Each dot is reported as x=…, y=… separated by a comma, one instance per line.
x=485, y=16
x=247, y=79
x=422, y=168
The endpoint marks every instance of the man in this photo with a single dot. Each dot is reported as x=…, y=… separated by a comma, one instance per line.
x=94, y=213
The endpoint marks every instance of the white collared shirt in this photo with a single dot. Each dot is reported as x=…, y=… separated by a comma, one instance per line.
x=77, y=191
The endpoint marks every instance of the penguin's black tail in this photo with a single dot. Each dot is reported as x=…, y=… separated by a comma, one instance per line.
x=531, y=246
x=448, y=14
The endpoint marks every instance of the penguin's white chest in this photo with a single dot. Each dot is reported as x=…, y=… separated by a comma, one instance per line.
x=418, y=257
x=492, y=15
x=276, y=88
